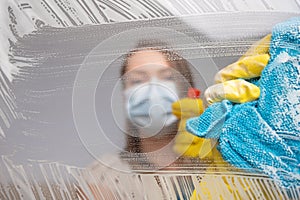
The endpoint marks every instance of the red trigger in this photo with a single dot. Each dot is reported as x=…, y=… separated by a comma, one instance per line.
x=194, y=93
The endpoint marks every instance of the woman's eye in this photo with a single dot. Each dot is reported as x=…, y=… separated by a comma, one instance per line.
x=136, y=82
x=168, y=77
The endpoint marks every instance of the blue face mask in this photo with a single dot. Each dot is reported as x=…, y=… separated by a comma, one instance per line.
x=149, y=106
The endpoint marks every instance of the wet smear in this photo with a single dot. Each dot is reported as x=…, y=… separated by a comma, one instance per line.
x=43, y=44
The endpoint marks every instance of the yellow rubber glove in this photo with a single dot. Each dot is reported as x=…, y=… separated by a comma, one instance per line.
x=229, y=81
x=187, y=144
x=231, y=86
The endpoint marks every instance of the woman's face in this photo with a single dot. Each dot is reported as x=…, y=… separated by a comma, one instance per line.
x=150, y=90
x=144, y=65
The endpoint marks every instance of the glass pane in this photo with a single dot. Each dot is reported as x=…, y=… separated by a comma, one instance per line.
x=87, y=89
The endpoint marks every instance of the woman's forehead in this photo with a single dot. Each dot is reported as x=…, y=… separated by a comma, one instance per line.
x=144, y=58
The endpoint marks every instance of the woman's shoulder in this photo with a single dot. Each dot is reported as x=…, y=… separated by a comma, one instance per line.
x=109, y=162
x=110, y=177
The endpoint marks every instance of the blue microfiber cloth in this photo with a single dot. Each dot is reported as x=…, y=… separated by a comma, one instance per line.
x=263, y=134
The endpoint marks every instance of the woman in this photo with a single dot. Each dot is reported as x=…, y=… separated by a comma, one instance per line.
x=153, y=77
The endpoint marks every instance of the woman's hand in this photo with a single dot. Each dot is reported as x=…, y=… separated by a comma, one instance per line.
x=231, y=81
